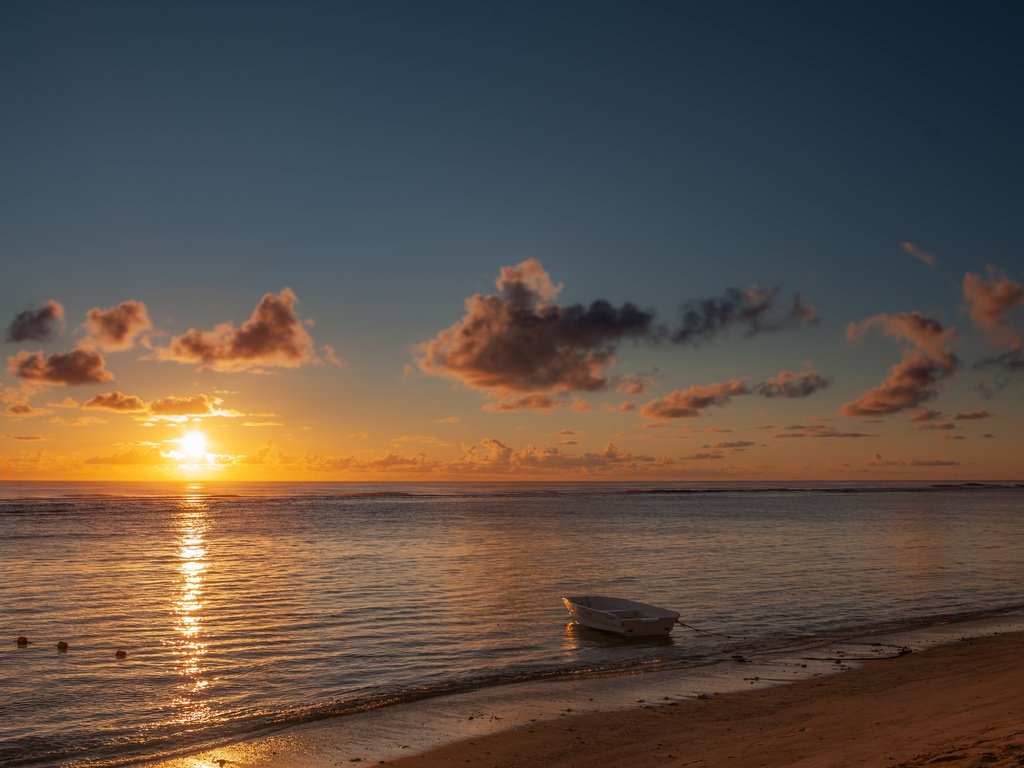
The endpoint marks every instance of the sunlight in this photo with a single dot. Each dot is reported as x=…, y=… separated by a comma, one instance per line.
x=193, y=445
x=191, y=454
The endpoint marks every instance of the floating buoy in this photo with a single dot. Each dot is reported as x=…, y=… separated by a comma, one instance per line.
x=62, y=646
x=121, y=654
x=22, y=641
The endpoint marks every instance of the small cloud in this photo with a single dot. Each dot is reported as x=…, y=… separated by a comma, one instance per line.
x=690, y=402
x=988, y=435
x=817, y=430
x=262, y=424
x=116, y=401
x=980, y=413
x=990, y=303
x=927, y=259
x=77, y=367
x=938, y=426
x=67, y=402
x=25, y=411
x=565, y=432
x=28, y=438
x=631, y=384
x=878, y=461
x=753, y=309
x=332, y=357
x=730, y=445
x=792, y=385
x=37, y=324
x=273, y=336
x=116, y=328
x=78, y=421
x=952, y=437
x=925, y=414
x=531, y=402
x=448, y=420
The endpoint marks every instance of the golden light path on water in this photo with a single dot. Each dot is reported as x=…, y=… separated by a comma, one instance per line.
x=189, y=647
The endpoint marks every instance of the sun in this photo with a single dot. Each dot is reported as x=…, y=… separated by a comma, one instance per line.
x=192, y=445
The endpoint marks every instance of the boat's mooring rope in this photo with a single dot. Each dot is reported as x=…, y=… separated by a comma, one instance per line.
x=706, y=631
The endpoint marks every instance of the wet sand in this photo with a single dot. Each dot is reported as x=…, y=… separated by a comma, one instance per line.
x=954, y=705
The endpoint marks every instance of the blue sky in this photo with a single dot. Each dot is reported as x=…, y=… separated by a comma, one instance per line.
x=385, y=161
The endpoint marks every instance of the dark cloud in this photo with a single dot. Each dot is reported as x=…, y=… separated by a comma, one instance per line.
x=36, y=324
x=816, y=430
x=754, y=310
x=878, y=461
x=916, y=378
x=735, y=445
x=116, y=328
x=990, y=303
x=1005, y=365
x=937, y=426
x=116, y=401
x=925, y=414
x=534, y=401
x=792, y=385
x=519, y=341
x=79, y=366
x=273, y=336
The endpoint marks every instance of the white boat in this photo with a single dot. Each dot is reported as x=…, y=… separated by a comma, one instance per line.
x=621, y=616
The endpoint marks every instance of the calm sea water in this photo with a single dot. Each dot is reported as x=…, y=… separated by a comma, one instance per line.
x=243, y=607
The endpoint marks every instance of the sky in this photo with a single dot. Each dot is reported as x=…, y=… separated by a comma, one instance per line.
x=672, y=241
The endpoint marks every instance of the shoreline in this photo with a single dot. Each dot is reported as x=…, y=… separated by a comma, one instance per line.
x=495, y=725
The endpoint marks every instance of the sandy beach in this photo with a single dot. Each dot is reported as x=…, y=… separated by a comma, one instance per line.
x=956, y=705
x=959, y=705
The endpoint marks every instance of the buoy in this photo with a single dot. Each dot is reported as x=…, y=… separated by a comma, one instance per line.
x=62, y=646
x=22, y=641
x=121, y=654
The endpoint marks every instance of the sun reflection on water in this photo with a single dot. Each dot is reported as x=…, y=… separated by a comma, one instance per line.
x=189, y=647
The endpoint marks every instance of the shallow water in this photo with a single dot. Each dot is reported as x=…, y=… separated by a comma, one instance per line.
x=245, y=606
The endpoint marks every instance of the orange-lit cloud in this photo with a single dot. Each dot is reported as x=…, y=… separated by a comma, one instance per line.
x=116, y=401
x=631, y=384
x=25, y=411
x=990, y=303
x=77, y=367
x=694, y=400
x=980, y=413
x=273, y=336
x=36, y=324
x=116, y=328
x=916, y=378
x=686, y=403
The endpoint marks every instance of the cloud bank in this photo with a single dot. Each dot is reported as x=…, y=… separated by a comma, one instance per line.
x=116, y=328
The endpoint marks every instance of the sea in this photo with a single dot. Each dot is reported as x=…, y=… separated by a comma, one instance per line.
x=243, y=608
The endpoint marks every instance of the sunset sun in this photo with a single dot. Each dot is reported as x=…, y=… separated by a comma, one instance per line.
x=192, y=445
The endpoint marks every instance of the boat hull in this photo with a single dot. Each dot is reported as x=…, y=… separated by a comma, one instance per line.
x=621, y=617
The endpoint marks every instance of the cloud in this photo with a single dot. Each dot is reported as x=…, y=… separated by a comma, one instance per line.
x=631, y=384
x=116, y=401
x=448, y=420
x=928, y=259
x=331, y=356
x=925, y=414
x=174, y=408
x=878, y=461
x=980, y=413
x=1006, y=365
x=519, y=341
x=273, y=336
x=990, y=302
x=262, y=424
x=692, y=401
x=117, y=327
x=734, y=445
x=937, y=426
x=78, y=421
x=28, y=438
x=77, y=367
x=36, y=324
x=754, y=309
x=816, y=430
x=534, y=401
x=792, y=385
x=25, y=411
x=915, y=379
x=136, y=456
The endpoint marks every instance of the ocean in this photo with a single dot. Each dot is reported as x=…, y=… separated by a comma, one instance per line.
x=246, y=607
